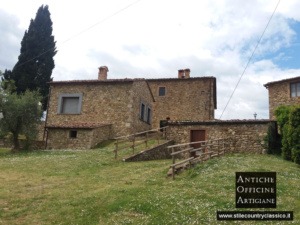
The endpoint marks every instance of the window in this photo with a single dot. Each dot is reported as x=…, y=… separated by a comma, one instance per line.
x=162, y=91
x=73, y=134
x=145, y=113
x=295, y=89
x=149, y=115
x=142, y=112
x=69, y=104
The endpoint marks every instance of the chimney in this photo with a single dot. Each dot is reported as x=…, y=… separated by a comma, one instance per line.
x=102, y=74
x=187, y=73
x=180, y=74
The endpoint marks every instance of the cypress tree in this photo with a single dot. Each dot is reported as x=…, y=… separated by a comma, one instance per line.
x=35, y=63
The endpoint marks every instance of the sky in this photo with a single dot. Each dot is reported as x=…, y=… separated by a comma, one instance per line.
x=154, y=39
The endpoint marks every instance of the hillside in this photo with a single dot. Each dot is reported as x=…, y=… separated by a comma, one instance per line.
x=90, y=187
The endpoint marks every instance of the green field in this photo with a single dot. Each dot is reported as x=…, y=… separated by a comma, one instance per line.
x=90, y=187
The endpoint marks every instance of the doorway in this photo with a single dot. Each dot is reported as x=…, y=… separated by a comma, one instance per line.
x=197, y=135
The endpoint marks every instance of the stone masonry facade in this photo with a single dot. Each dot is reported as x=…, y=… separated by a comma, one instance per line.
x=113, y=102
x=103, y=102
x=58, y=138
x=280, y=94
x=127, y=106
x=187, y=99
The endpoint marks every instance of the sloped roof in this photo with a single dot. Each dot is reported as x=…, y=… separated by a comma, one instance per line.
x=77, y=125
x=282, y=81
x=126, y=80
x=219, y=122
x=178, y=79
x=108, y=81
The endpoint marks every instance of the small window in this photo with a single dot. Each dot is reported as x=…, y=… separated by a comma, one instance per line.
x=295, y=89
x=69, y=104
x=149, y=115
x=73, y=134
x=142, y=112
x=162, y=91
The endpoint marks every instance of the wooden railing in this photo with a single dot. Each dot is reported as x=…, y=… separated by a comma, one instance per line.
x=207, y=150
x=141, y=138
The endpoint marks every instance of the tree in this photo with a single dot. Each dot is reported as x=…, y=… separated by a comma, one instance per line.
x=20, y=114
x=35, y=63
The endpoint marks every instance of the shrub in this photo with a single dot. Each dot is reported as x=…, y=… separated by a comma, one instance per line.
x=288, y=118
x=286, y=148
x=294, y=134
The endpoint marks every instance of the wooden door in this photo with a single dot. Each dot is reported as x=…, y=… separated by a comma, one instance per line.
x=197, y=135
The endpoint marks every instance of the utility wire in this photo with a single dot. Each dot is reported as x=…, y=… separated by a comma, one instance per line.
x=83, y=31
x=237, y=84
x=102, y=21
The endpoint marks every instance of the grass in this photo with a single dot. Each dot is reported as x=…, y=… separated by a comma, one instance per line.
x=90, y=187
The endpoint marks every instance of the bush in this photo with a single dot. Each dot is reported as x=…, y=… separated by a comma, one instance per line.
x=286, y=148
x=288, y=118
x=294, y=134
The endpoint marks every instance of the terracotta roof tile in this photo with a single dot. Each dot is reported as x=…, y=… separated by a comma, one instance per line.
x=279, y=81
x=178, y=79
x=77, y=125
x=209, y=122
x=126, y=80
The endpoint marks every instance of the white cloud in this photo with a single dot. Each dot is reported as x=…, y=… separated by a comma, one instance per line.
x=156, y=38
x=9, y=40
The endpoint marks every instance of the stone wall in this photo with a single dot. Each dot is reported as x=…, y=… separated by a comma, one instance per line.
x=244, y=135
x=106, y=102
x=101, y=134
x=280, y=94
x=158, y=152
x=141, y=94
x=185, y=99
x=59, y=138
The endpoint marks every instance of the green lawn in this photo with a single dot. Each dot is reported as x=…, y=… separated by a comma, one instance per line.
x=90, y=187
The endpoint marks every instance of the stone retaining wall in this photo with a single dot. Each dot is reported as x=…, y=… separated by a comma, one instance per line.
x=158, y=152
x=244, y=135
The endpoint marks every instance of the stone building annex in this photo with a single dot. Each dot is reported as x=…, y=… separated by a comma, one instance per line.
x=82, y=113
x=283, y=92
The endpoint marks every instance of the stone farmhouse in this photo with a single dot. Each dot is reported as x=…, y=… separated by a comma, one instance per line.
x=82, y=113
x=283, y=92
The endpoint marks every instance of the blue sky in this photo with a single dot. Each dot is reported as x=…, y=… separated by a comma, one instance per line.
x=288, y=57
x=153, y=39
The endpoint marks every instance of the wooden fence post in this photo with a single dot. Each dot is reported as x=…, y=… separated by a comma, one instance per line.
x=146, y=141
x=133, y=144
x=173, y=167
x=158, y=137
